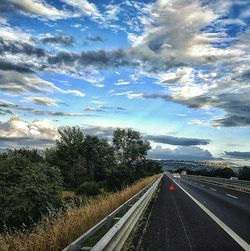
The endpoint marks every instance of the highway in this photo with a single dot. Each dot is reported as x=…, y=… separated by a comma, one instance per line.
x=197, y=216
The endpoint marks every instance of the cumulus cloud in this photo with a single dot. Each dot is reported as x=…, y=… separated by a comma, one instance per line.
x=176, y=141
x=59, y=39
x=238, y=155
x=180, y=153
x=16, y=127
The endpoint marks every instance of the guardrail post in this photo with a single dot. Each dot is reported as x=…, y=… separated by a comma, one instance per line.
x=109, y=222
x=74, y=248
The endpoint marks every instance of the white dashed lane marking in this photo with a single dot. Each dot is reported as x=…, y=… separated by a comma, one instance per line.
x=232, y=196
x=213, y=189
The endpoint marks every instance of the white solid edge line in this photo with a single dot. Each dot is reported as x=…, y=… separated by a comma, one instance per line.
x=232, y=196
x=236, y=237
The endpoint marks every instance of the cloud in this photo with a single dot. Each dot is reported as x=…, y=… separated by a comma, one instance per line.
x=8, y=66
x=85, y=7
x=93, y=109
x=122, y=82
x=173, y=34
x=59, y=39
x=18, y=47
x=100, y=131
x=96, y=38
x=34, y=8
x=19, y=82
x=104, y=109
x=8, y=107
x=16, y=127
x=238, y=155
x=129, y=94
x=176, y=141
x=41, y=101
x=68, y=114
x=180, y=153
x=100, y=58
x=15, y=34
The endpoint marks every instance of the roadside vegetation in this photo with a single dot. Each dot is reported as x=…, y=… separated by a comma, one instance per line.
x=58, y=229
x=48, y=200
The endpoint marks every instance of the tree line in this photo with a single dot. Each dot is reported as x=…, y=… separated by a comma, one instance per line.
x=243, y=174
x=32, y=183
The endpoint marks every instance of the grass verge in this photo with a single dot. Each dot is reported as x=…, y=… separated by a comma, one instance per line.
x=54, y=235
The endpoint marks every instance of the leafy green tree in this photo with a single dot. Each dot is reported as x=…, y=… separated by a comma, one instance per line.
x=67, y=155
x=29, y=154
x=27, y=189
x=130, y=148
x=80, y=157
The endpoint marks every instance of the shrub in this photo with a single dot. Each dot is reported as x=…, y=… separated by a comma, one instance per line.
x=27, y=190
x=89, y=188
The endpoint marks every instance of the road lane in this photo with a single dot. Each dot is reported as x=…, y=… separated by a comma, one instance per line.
x=177, y=223
x=230, y=206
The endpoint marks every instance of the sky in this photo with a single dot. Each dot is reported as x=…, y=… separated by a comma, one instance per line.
x=178, y=71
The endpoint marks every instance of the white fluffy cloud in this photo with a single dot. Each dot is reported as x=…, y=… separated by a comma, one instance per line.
x=85, y=7
x=39, y=8
x=16, y=127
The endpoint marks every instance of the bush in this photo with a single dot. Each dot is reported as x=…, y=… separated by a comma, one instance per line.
x=89, y=188
x=27, y=190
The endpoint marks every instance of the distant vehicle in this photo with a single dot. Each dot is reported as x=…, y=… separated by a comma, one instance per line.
x=233, y=178
x=176, y=175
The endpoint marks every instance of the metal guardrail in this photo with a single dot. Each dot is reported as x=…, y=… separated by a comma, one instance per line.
x=241, y=185
x=117, y=234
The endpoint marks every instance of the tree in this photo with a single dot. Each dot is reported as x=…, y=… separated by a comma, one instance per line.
x=27, y=189
x=244, y=173
x=68, y=156
x=80, y=157
x=130, y=148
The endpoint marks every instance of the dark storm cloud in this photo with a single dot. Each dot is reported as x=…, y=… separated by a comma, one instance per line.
x=238, y=155
x=176, y=141
x=60, y=39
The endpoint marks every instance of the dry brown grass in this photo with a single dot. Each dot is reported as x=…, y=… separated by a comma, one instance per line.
x=53, y=236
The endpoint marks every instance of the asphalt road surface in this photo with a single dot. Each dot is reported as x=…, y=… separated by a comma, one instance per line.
x=178, y=223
